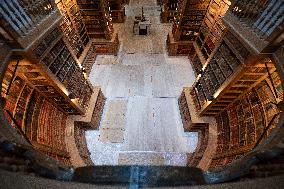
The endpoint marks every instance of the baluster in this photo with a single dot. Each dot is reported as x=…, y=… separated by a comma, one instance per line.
x=12, y=17
x=18, y=15
x=23, y=13
x=8, y=19
x=272, y=10
x=279, y=20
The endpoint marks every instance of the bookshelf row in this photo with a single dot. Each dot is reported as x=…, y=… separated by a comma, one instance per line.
x=59, y=61
x=89, y=60
x=40, y=121
x=186, y=26
x=169, y=10
x=72, y=26
x=243, y=122
x=184, y=111
x=211, y=31
x=193, y=16
x=97, y=19
x=203, y=135
x=109, y=47
x=117, y=10
x=51, y=127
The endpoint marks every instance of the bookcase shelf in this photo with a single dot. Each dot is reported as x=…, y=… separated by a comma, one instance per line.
x=40, y=121
x=228, y=74
x=80, y=127
x=72, y=26
x=211, y=31
x=242, y=123
x=117, y=11
x=186, y=26
x=80, y=140
x=58, y=77
x=89, y=59
x=168, y=10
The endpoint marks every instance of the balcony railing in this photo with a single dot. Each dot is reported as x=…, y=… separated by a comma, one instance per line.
x=263, y=16
x=23, y=15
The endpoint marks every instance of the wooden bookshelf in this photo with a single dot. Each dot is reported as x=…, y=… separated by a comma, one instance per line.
x=80, y=140
x=41, y=122
x=72, y=26
x=203, y=135
x=168, y=10
x=179, y=48
x=107, y=47
x=186, y=26
x=89, y=59
x=211, y=32
x=96, y=17
x=231, y=71
x=242, y=123
x=117, y=11
x=58, y=76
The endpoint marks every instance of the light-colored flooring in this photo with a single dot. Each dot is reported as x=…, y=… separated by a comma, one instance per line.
x=141, y=122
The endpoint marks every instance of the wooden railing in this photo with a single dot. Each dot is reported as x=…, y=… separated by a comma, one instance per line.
x=23, y=15
x=263, y=16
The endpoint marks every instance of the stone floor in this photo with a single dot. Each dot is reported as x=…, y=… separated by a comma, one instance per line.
x=141, y=123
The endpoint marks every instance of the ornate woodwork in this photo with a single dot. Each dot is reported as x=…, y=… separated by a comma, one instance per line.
x=231, y=71
x=117, y=11
x=243, y=122
x=168, y=10
x=72, y=26
x=186, y=26
x=96, y=17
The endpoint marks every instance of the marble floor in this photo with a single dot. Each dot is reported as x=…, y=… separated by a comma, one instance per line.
x=141, y=122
